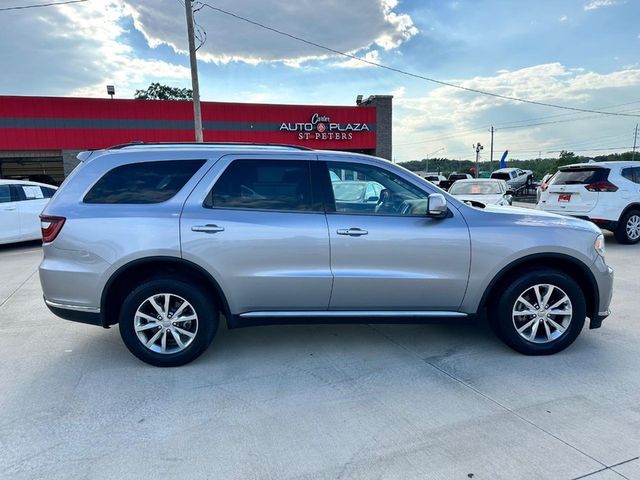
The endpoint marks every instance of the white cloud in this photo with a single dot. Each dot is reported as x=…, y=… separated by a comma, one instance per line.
x=344, y=26
x=563, y=18
x=442, y=114
x=371, y=56
x=76, y=49
x=595, y=4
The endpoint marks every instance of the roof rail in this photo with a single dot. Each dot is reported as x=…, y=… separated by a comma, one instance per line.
x=239, y=144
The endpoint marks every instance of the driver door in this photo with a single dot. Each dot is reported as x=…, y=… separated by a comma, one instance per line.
x=389, y=255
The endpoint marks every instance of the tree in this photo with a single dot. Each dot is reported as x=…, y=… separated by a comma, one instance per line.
x=157, y=91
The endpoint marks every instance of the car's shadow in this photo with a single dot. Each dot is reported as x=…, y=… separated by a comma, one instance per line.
x=12, y=247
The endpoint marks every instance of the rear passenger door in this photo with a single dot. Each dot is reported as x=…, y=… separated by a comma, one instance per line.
x=33, y=199
x=255, y=224
x=9, y=214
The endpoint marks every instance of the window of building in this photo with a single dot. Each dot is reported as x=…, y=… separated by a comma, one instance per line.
x=143, y=182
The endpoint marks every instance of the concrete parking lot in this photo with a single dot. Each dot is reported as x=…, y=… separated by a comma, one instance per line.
x=316, y=402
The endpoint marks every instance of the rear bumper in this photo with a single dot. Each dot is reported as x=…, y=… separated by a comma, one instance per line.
x=75, y=313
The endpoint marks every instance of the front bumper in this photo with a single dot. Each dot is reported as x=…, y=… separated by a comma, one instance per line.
x=604, y=278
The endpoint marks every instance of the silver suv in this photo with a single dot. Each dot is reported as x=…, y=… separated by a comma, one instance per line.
x=164, y=239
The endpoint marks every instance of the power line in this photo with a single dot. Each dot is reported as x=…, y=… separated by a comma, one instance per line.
x=410, y=74
x=500, y=126
x=39, y=5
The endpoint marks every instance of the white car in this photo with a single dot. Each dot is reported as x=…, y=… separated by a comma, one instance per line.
x=434, y=178
x=607, y=193
x=516, y=178
x=484, y=190
x=21, y=202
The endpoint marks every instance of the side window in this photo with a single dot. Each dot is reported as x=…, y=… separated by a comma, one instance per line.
x=48, y=192
x=31, y=192
x=5, y=193
x=632, y=174
x=283, y=185
x=144, y=182
x=395, y=195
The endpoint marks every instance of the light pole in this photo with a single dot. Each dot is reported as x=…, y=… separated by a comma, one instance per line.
x=428, y=155
x=478, y=148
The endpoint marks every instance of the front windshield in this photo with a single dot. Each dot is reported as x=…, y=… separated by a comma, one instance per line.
x=475, y=188
x=348, y=192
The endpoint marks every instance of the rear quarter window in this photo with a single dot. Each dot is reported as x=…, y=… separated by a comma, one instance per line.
x=580, y=176
x=143, y=182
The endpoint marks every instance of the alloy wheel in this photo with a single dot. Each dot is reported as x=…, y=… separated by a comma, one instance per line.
x=166, y=323
x=542, y=313
x=633, y=227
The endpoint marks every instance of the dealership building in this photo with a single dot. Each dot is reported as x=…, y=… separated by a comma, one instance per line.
x=41, y=136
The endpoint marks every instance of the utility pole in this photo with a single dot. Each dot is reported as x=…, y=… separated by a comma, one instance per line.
x=491, y=157
x=635, y=138
x=478, y=147
x=195, y=85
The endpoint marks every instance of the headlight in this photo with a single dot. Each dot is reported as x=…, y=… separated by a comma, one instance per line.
x=599, y=245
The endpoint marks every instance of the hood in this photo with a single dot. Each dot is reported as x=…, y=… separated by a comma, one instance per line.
x=492, y=199
x=531, y=216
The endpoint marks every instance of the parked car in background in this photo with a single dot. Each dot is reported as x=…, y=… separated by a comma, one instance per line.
x=435, y=178
x=162, y=238
x=516, y=178
x=607, y=193
x=359, y=195
x=484, y=190
x=454, y=177
x=544, y=184
x=21, y=202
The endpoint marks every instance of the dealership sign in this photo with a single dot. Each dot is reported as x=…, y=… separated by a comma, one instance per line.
x=321, y=128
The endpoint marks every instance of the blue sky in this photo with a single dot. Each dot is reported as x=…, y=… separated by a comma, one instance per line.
x=582, y=53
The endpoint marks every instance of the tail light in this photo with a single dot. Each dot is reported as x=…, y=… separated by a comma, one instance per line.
x=51, y=227
x=543, y=186
x=604, y=186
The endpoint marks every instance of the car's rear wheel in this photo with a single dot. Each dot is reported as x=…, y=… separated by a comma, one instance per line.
x=628, y=230
x=167, y=322
x=540, y=312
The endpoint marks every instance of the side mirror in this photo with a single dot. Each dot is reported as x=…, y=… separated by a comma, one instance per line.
x=437, y=206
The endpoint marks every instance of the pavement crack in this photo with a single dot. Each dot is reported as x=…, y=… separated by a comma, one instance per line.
x=609, y=467
x=502, y=406
x=18, y=288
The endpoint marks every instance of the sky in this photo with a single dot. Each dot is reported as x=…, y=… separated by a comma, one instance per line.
x=578, y=53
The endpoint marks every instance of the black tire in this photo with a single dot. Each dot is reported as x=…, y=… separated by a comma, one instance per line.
x=205, y=327
x=502, y=318
x=621, y=233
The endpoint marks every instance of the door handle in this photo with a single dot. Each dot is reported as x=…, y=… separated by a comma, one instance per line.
x=209, y=228
x=10, y=209
x=352, y=232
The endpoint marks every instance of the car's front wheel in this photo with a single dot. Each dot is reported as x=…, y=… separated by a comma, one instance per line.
x=167, y=322
x=540, y=312
x=628, y=230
